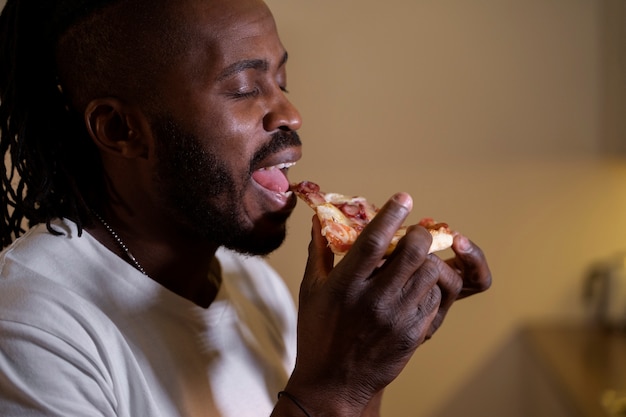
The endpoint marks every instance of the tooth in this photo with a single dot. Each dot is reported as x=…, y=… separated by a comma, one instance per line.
x=279, y=166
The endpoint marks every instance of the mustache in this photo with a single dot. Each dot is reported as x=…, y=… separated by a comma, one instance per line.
x=282, y=139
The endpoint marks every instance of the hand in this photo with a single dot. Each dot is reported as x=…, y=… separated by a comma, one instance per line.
x=469, y=265
x=361, y=321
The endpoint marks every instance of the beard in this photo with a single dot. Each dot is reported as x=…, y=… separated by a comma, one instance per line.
x=198, y=190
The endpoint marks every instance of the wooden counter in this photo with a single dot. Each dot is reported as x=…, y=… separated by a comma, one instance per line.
x=573, y=370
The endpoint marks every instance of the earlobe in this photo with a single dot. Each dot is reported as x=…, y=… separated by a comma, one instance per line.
x=113, y=128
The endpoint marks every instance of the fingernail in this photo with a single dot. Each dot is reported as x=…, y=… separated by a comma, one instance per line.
x=404, y=200
x=463, y=243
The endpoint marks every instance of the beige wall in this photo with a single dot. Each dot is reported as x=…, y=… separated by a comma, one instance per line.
x=493, y=115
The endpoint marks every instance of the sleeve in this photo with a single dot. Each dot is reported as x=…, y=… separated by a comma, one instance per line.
x=43, y=375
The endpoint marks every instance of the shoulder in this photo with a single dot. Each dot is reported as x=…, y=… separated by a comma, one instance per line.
x=47, y=285
x=40, y=251
x=45, y=303
x=54, y=332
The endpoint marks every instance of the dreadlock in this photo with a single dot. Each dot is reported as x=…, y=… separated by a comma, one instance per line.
x=47, y=155
x=56, y=56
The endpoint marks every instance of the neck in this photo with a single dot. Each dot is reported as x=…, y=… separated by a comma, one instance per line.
x=182, y=264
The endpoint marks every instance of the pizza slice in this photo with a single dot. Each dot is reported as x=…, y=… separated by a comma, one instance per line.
x=343, y=218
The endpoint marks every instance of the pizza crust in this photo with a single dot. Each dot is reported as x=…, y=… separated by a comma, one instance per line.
x=442, y=238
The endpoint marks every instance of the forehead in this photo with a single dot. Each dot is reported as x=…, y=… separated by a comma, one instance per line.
x=224, y=23
x=208, y=36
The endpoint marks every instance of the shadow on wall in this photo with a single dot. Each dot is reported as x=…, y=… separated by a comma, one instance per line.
x=516, y=382
x=495, y=389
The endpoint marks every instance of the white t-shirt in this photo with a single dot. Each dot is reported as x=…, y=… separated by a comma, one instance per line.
x=83, y=333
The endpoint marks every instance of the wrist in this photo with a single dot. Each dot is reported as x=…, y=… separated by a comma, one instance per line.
x=295, y=402
x=321, y=400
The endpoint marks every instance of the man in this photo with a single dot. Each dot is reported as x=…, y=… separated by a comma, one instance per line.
x=150, y=143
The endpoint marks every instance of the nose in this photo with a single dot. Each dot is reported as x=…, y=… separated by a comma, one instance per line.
x=282, y=115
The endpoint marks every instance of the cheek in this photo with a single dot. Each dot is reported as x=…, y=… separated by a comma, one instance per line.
x=234, y=142
x=233, y=131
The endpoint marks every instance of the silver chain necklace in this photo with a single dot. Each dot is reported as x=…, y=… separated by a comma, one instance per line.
x=120, y=243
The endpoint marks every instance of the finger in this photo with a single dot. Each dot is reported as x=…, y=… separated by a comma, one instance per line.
x=373, y=242
x=433, y=288
x=320, y=260
x=422, y=298
x=449, y=282
x=402, y=264
x=435, y=319
x=420, y=282
x=434, y=272
x=471, y=263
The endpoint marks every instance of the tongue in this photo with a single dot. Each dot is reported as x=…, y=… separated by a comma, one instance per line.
x=273, y=179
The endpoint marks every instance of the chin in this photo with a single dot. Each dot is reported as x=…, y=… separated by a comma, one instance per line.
x=259, y=242
x=257, y=248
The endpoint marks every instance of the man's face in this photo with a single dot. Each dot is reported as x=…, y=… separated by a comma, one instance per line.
x=226, y=132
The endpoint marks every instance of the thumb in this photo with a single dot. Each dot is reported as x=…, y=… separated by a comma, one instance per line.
x=321, y=259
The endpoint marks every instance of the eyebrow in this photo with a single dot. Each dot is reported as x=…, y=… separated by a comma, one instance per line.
x=256, y=64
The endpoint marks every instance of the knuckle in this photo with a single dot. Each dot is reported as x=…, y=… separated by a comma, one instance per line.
x=370, y=243
x=415, y=244
x=433, y=298
x=455, y=285
x=409, y=341
x=480, y=279
x=419, y=238
x=429, y=272
x=430, y=303
x=485, y=283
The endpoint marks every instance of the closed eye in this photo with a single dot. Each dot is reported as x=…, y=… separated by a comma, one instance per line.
x=245, y=94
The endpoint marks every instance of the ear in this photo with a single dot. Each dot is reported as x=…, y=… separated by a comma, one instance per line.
x=116, y=127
